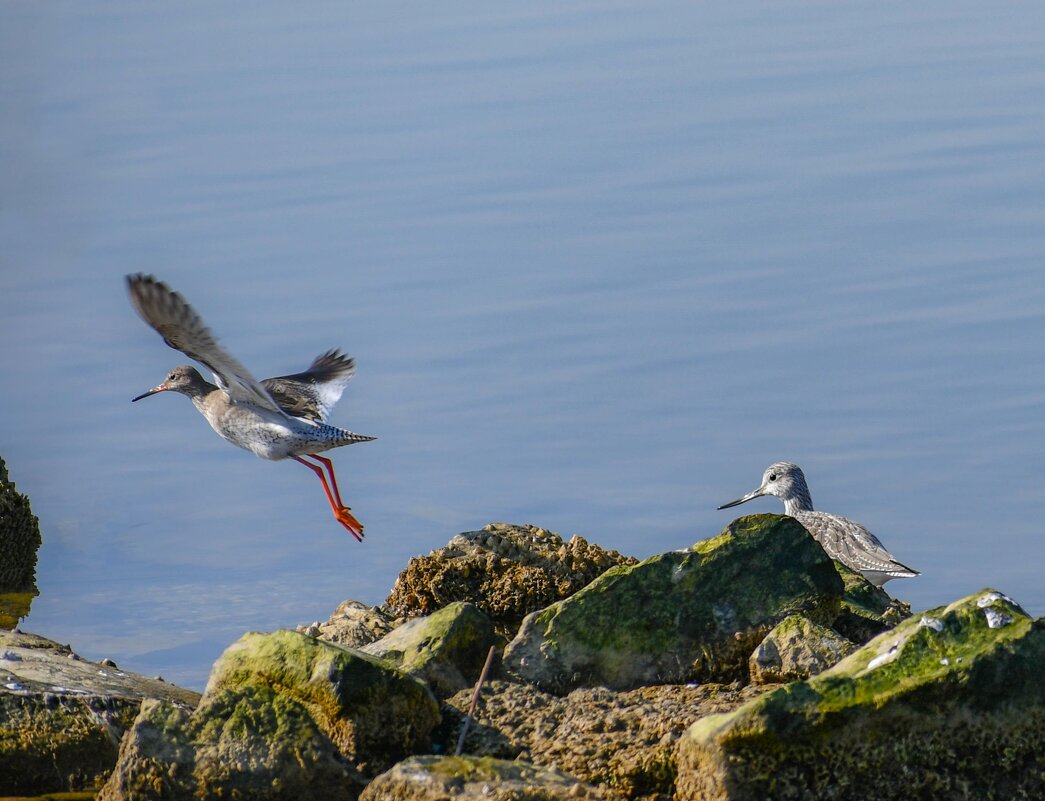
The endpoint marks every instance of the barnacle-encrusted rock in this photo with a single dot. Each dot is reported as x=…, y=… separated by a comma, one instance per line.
x=692, y=615
x=624, y=741
x=949, y=704
x=19, y=543
x=284, y=716
x=467, y=778
x=353, y=624
x=446, y=649
x=506, y=570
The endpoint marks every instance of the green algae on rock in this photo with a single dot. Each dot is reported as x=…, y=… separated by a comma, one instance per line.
x=949, y=704
x=445, y=649
x=692, y=615
x=797, y=648
x=255, y=744
x=61, y=717
x=283, y=716
x=373, y=712
x=468, y=778
x=866, y=610
x=19, y=542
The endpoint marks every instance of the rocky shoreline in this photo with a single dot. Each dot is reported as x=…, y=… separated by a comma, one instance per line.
x=749, y=666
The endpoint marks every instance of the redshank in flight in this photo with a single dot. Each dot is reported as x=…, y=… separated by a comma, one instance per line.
x=275, y=418
x=848, y=542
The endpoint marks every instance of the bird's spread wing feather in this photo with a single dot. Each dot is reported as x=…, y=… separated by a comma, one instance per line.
x=183, y=329
x=312, y=394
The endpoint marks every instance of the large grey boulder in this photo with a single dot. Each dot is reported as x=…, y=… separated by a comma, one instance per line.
x=692, y=615
x=949, y=704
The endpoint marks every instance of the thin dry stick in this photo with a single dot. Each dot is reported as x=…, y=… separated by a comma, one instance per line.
x=475, y=701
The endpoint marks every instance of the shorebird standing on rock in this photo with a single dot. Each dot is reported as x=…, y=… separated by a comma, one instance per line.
x=848, y=542
x=275, y=418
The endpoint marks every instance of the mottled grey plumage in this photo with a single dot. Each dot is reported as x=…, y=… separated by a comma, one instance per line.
x=276, y=418
x=843, y=539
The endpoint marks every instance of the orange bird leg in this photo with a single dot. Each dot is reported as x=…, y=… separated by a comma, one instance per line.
x=341, y=512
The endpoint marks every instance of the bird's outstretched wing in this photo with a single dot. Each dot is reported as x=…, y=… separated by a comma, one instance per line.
x=312, y=394
x=183, y=329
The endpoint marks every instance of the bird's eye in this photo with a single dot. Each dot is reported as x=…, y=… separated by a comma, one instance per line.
x=772, y=477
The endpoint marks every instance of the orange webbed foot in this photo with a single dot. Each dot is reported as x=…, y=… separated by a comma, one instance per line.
x=345, y=518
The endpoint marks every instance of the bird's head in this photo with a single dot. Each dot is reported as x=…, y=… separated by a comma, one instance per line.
x=185, y=379
x=781, y=479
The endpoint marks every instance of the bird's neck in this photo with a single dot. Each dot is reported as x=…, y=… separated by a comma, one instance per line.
x=206, y=397
x=799, y=502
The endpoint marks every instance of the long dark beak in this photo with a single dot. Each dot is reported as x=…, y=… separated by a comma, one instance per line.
x=153, y=391
x=751, y=495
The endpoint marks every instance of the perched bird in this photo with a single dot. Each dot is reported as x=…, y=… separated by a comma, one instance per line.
x=848, y=542
x=276, y=418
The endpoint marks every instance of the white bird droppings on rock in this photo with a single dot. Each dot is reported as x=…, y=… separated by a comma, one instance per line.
x=995, y=618
x=888, y=656
x=933, y=623
x=991, y=597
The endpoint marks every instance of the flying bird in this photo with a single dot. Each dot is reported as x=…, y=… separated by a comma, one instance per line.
x=277, y=418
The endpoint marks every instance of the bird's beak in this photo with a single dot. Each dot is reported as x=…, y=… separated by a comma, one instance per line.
x=153, y=391
x=753, y=494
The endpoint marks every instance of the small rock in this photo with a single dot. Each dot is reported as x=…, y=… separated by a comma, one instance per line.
x=446, y=649
x=795, y=649
x=353, y=624
x=434, y=778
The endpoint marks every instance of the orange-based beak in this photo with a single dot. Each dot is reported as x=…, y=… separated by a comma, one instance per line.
x=161, y=388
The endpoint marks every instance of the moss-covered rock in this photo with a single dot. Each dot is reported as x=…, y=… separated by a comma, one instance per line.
x=866, y=610
x=446, y=649
x=797, y=648
x=949, y=704
x=506, y=570
x=373, y=712
x=284, y=716
x=19, y=543
x=692, y=615
x=254, y=744
x=466, y=778
x=62, y=717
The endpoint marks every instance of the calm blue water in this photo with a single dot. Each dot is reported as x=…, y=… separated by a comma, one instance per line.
x=599, y=264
